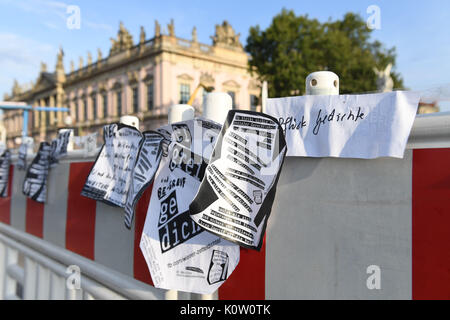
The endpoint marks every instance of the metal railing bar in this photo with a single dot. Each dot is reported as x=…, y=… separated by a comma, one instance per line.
x=98, y=292
x=43, y=281
x=57, y=287
x=2, y=269
x=30, y=281
x=16, y=272
x=46, y=265
x=116, y=281
x=9, y=284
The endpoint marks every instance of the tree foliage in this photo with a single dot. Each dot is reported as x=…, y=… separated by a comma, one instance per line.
x=294, y=46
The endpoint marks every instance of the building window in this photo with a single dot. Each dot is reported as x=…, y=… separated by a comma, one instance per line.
x=94, y=105
x=185, y=92
x=119, y=102
x=86, y=115
x=135, y=100
x=105, y=105
x=150, y=95
x=80, y=108
x=253, y=102
x=233, y=98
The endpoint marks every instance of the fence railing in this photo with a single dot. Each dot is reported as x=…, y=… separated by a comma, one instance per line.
x=31, y=268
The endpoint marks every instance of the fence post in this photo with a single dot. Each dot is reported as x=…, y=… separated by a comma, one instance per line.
x=9, y=284
x=2, y=269
x=30, y=281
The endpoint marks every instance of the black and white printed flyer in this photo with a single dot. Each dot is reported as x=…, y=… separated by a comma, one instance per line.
x=5, y=162
x=179, y=253
x=35, y=183
x=59, y=147
x=110, y=176
x=22, y=158
x=144, y=170
x=236, y=196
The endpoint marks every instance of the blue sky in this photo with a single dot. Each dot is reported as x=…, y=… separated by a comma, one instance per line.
x=32, y=30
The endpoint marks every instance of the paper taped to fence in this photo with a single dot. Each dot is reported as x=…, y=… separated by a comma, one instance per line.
x=236, y=196
x=88, y=143
x=144, y=170
x=110, y=176
x=348, y=126
x=59, y=147
x=35, y=183
x=5, y=162
x=179, y=253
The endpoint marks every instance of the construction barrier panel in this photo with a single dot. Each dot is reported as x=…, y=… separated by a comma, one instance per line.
x=331, y=221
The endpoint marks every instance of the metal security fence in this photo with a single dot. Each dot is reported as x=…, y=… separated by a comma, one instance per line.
x=31, y=268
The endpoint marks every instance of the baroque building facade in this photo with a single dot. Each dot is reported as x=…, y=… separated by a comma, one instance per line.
x=142, y=79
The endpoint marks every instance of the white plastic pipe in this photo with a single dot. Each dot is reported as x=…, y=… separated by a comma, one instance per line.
x=264, y=96
x=130, y=120
x=180, y=112
x=177, y=113
x=322, y=83
x=216, y=106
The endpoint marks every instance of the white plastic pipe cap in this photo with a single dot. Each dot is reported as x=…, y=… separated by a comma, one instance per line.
x=216, y=106
x=130, y=120
x=180, y=112
x=322, y=83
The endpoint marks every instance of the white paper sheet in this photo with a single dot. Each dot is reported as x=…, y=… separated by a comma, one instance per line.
x=88, y=143
x=5, y=162
x=22, y=158
x=35, y=183
x=110, y=176
x=181, y=255
x=348, y=126
x=144, y=170
x=59, y=147
x=236, y=196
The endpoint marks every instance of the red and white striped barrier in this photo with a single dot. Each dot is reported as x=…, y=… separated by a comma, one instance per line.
x=331, y=219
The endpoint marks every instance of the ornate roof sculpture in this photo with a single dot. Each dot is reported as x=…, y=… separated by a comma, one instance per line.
x=60, y=75
x=226, y=37
x=157, y=29
x=171, y=28
x=207, y=78
x=194, y=35
x=123, y=41
x=384, y=79
x=59, y=59
x=43, y=67
x=142, y=35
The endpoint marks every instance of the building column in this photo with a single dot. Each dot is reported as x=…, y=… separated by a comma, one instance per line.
x=51, y=114
x=60, y=104
x=42, y=118
x=157, y=84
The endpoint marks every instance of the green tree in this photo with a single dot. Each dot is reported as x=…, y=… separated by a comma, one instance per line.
x=294, y=46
